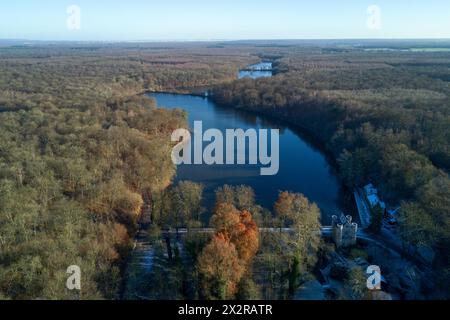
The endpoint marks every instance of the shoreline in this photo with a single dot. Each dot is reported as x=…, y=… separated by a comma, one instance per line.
x=345, y=202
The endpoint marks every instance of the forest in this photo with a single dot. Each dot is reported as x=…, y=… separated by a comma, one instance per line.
x=247, y=255
x=81, y=152
x=383, y=116
x=84, y=155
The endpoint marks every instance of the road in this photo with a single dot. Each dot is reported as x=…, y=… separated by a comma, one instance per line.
x=385, y=242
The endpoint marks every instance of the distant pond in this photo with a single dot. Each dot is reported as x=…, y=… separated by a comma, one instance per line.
x=258, y=70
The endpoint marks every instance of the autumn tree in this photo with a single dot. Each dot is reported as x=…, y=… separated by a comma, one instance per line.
x=187, y=197
x=225, y=218
x=244, y=197
x=302, y=242
x=219, y=268
x=225, y=194
x=237, y=230
x=184, y=204
x=241, y=196
x=283, y=209
x=239, y=227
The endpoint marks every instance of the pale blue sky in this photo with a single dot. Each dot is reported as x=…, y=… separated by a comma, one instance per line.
x=112, y=20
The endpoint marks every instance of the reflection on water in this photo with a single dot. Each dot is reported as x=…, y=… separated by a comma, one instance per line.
x=303, y=168
x=258, y=70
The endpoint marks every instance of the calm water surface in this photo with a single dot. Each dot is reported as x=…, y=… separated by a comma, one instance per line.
x=258, y=70
x=303, y=168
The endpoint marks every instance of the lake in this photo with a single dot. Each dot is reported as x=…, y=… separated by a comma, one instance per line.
x=258, y=70
x=303, y=168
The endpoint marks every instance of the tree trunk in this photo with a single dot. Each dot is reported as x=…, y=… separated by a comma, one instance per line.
x=169, y=248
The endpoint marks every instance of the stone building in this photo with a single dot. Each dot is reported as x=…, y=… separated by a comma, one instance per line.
x=344, y=231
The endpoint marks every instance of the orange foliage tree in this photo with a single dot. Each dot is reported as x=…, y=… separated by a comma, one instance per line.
x=228, y=256
x=220, y=268
x=240, y=227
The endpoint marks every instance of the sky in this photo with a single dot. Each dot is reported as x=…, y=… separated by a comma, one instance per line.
x=140, y=20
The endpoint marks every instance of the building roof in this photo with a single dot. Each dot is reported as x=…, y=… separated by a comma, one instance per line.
x=370, y=189
x=374, y=201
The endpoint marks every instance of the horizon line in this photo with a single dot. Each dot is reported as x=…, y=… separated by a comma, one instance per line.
x=223, y=40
